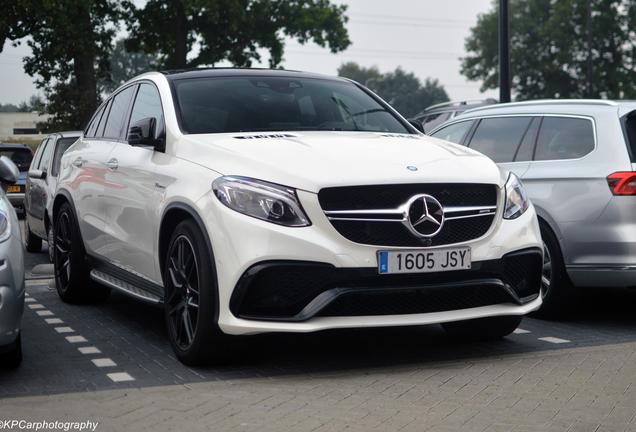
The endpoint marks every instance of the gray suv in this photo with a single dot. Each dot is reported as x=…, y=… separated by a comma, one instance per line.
x=577, y=159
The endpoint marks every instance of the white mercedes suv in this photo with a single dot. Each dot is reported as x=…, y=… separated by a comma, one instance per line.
x=251, y=201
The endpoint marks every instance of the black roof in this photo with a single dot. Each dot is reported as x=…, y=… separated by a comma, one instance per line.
x=13, y=146
x=240, y=72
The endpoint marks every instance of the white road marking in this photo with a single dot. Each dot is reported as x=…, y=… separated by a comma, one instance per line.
x=64, y=330
x=120, y=377
x=36, y=306
x=53, y=321
x=27, y=294
x=521, y=331
x=554, y=340
x=103, y=362
x=89, y=350
x=30, y=300
x=76, y=339
x=45, y=313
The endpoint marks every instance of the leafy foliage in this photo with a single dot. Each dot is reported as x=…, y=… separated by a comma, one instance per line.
x=125, y=65
x=549, y=49
x=403, y=90
x=187, y=33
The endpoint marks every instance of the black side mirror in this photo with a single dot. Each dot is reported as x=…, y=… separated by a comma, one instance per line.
x=37, y=174
x=9, y=172
x=143, y=133
x=417, y=125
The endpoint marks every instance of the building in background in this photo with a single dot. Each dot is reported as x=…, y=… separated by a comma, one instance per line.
x=21, y=127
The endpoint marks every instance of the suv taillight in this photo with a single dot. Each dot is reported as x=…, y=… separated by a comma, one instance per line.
x=622, y=183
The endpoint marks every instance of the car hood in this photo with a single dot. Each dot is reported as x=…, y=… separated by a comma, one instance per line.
x=314, y=160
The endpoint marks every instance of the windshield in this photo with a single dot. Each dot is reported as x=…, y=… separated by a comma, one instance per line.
x=20, y=156
x=253, y=104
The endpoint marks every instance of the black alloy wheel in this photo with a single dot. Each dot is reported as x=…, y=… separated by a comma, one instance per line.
x=72, y=279
x=182, y=288
x=190, y=298
x=63, y=252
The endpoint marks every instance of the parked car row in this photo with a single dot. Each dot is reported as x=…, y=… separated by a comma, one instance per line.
x=251, y=201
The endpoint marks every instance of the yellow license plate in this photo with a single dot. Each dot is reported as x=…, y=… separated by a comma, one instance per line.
x=13, y=189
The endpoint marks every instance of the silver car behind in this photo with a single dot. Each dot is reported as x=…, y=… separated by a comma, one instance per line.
x=577, y=159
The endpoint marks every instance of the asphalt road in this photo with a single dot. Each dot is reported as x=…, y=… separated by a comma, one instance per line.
x=122, y=345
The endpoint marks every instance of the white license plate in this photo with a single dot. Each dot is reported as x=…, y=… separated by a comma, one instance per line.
x=419, y=261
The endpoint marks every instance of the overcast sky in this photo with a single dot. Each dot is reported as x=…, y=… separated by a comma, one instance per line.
x=423, y=36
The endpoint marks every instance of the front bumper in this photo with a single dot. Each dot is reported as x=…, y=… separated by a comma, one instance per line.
x=293, y=291
x=11, y=289
x=240, y=242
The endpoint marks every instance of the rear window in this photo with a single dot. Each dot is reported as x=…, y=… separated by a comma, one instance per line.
x=564, y=138
x=630, y=134
x=21, y=157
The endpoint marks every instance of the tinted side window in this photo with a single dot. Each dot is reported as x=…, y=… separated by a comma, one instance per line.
x=564, y=138
x=499, y=138
x=430, y=122
x=102, y=121
x=92, y=127
x=62, y=145
x=38, y=154
x=454, y=133
x=147, y=104
x=630, y=131
x=118, y=111
x=46, y=155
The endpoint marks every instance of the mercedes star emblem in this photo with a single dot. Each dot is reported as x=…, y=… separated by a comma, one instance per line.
x=425, y=215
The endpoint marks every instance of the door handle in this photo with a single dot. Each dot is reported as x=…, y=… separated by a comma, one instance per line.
x=112, y=164
x=78, y=162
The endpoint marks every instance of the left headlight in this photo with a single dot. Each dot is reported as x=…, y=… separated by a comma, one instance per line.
x=263, y=200
x=516, y=199
x=5, y=226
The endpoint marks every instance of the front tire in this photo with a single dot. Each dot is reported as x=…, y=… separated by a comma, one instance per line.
x=32, y=242
x=190, y=298
x=72, y=279
x=483, y=329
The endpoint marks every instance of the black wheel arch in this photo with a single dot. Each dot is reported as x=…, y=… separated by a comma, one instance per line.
x=173, y=214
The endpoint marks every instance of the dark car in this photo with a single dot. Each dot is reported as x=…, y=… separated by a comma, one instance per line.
x=40, y=189
x=21, y=156
x=435, y=115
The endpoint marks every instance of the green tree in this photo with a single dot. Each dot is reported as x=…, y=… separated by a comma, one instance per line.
x=125, y=65
x=187, y=33
x=403, y=90
x=549, y=50
x=70, y=42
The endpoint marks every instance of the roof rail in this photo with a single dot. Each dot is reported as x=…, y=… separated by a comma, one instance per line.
x=602, y=102
x=460, y=103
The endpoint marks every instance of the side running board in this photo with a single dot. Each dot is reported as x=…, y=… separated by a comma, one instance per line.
x=125, y=287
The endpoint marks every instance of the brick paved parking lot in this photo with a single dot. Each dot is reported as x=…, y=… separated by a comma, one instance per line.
x=112, y=363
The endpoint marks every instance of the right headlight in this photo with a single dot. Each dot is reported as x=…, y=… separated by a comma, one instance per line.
x=516, y=199
x=5, y=225
x=262, y=200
